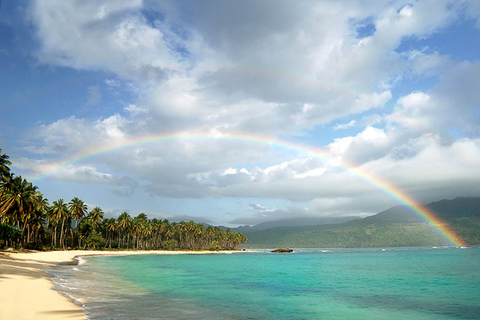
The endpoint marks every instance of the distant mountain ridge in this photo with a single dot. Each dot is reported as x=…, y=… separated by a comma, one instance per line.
x=295, y=222
x=396, y=226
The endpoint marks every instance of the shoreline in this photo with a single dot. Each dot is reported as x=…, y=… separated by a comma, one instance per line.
x=27, y=286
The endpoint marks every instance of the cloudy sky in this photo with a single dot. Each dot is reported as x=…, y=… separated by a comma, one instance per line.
x=254, y=92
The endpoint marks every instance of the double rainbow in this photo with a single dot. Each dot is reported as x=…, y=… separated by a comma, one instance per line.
x=423, y=213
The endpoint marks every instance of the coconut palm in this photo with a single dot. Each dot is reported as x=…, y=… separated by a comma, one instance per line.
x=199, y=235
x=147, y=231
x=124, y=226
x=96, y=216
x=182, y=228
x=60, y=214
x=4, y=163
x=33, y=220
x=18, y=199
x=110, y=228
x=78, y=210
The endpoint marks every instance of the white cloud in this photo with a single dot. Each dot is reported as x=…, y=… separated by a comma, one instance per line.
x=242, y=76
x=371, y=120
x=73, y=135
x=84, y=174
x=135, y=110
x=351, y=123
x=451, y=104
x=104, y=35
x=258, y=207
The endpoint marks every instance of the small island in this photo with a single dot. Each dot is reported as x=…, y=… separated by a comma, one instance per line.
x=282, y=250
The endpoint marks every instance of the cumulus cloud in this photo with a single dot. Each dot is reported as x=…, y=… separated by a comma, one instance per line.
x=205, y=76
x=73, y=135
x=84, y=174
x=104, y=35
x=350, y=124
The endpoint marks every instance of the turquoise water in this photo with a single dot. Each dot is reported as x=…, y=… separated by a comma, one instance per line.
x=402, y=283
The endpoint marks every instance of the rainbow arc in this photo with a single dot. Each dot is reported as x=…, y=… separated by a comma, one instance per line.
x=387, y=187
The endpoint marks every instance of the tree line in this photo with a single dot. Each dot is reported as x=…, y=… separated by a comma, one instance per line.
x=28, y=220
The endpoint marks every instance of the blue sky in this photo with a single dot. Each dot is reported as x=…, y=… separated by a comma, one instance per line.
x=392, y=87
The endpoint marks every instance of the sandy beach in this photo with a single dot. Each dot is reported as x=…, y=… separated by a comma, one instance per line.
x=26, y=288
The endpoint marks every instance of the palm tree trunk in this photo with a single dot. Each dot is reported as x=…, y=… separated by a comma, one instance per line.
x=62, y=236
x=55, y=237
x=28, y=233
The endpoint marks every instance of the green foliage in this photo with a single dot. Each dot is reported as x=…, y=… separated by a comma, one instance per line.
x=170, y=244
x=9, y=233
x=94, y=240
x=85, y=228
x=395, y=227
x=214, y=246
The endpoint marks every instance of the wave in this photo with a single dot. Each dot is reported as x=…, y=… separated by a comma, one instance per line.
x=81, y=261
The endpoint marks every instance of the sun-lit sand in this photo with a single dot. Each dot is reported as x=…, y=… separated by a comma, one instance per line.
x=26, y=288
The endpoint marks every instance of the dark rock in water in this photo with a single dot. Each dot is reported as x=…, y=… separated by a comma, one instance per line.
x=282, y=250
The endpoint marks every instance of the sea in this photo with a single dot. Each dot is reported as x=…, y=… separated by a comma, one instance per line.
x=379, y=283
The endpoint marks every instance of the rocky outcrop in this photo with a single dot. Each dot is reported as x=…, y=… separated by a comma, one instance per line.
x=283, y=250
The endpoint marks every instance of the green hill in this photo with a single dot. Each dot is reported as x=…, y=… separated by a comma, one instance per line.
x=394, y=227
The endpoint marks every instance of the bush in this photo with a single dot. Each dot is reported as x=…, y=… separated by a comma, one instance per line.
x=214, y=246
x=8, y=233
x=170, y=244
x=34, y=246
x=94, y=239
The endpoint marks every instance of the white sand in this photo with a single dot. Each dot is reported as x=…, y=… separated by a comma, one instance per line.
x=25, y=287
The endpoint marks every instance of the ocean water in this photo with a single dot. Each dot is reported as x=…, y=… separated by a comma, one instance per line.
x=393, y=283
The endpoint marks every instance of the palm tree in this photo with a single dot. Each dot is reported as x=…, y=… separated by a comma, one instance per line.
x=182, y=228
x=96, y=216
x=146, y=233
x=60, y=213
x=124, y=225
x=78, y=210
x=33, y=220
x=199, y=235
x=209, y=235
x=52, y=226
x=170, y=232
x=37, y=224
x=110, y=227
x=139, y=223
x=4, y=163
x=18, y=199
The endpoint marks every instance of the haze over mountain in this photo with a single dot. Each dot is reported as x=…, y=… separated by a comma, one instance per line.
x=301, y=221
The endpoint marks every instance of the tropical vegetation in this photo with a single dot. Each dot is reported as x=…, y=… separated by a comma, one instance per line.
x=395, y=227
x=28, y=220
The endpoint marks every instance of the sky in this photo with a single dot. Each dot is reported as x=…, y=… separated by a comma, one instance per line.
x=241, y=112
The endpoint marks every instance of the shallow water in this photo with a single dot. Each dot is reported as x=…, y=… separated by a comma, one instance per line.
x=403, y=283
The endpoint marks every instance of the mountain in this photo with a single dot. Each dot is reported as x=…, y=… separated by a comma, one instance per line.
x=301, y=221
x=396, y=226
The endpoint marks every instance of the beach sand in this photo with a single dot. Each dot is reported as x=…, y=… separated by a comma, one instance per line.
x=25, y=286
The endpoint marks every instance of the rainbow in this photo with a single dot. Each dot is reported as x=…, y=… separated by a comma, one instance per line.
x=387, y=187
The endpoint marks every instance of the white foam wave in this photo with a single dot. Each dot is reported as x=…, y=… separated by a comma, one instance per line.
x=78, y=301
